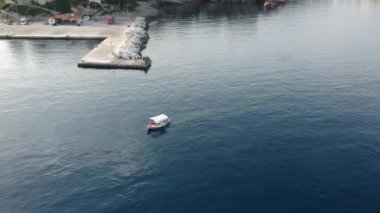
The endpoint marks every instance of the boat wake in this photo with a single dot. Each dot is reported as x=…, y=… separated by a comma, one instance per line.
x=215, y=114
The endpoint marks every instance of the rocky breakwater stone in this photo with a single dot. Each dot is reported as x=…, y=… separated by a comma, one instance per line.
x=138, y=34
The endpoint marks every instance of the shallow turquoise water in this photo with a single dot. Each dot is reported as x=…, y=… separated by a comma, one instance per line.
x=272, y=112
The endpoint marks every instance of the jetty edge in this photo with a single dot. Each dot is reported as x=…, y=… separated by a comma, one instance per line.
x=105, y=56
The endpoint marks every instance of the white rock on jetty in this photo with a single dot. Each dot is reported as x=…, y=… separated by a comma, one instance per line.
x=132, y=48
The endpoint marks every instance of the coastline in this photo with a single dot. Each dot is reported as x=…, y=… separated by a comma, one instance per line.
x=111, y=37
x=94, y=29
x=102, y=56
x=39, y=31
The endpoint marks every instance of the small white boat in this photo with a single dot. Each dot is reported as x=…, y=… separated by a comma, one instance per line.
x=157, y=122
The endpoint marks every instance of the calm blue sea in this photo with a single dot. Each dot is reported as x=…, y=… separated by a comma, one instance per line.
x=272, y=112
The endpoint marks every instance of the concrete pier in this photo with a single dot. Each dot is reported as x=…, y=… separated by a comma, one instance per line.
x=102, y=56
x=39, y=31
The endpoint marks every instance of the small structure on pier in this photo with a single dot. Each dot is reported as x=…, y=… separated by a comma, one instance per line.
x=71, y=19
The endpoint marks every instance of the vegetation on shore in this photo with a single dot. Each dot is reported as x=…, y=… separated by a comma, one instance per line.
x=62, y=6
x=25, y=10
x=129, y=4
x=116, y=6
x=110, y=6
x=107, y=7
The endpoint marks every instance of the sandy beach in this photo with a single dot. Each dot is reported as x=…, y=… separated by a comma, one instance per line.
x=38, y=30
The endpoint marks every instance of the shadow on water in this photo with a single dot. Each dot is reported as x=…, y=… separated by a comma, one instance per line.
x=145, y=71
x=182, y=11
x=155, y=133
x=210, y=10
x=231, y=10
x=239, y=108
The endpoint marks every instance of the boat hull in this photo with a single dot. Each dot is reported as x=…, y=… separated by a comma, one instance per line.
x=153, y=127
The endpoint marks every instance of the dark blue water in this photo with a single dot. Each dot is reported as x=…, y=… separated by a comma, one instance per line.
x=272, y=112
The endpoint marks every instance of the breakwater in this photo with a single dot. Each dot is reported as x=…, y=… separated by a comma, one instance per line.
x=138, y=34
x=122, y=51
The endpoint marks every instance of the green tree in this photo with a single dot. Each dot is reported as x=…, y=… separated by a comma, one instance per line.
x=1, y=3
x=62, y=6
x=121, y=3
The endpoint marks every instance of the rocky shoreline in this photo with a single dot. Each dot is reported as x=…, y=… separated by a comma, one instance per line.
x=269, y=4
x=153, y=9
